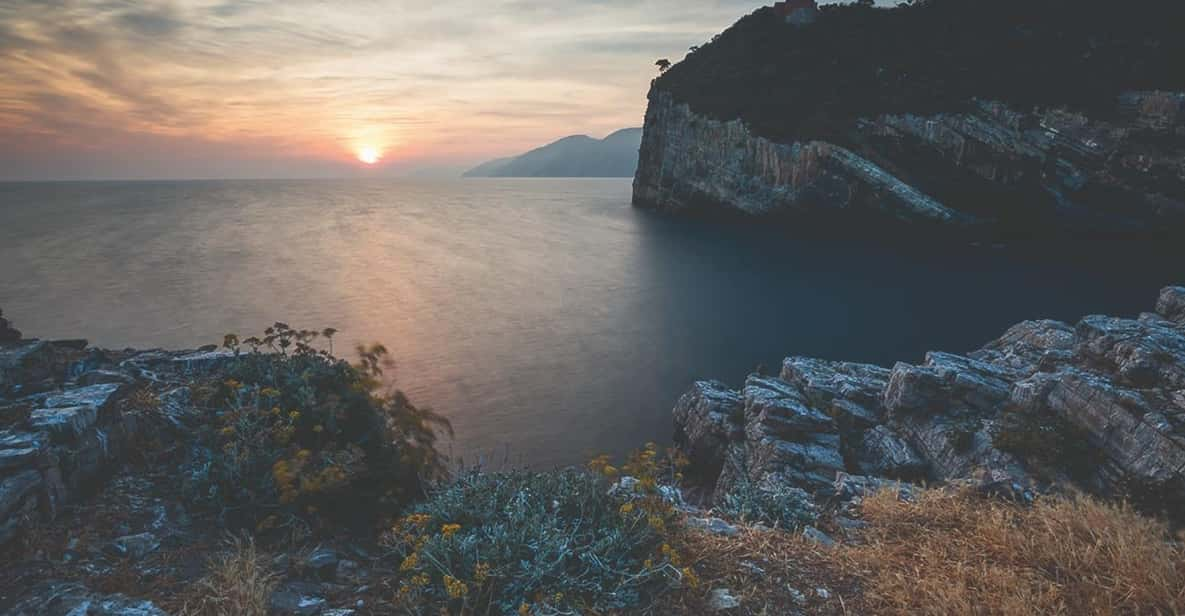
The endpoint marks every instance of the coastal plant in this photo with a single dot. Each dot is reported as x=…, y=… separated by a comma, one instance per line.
x=293, y=429
x=560, y=542
x=239, y=583
x=768, y=502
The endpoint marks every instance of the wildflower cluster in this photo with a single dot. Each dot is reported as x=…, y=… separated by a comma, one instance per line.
x=293, y=429
x=566, y=541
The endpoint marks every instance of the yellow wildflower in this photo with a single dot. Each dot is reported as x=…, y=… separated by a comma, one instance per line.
x=410, y=562
x=690, y=577
x=455, y=588
x=627, y=508
x=318, y=428
x=481, y=572
x=609, y=471
x=294, y=415
x=448, y=530
x=559, y=596
x=524, y=610
x=270, y=392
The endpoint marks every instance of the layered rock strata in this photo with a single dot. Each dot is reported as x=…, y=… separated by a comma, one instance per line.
x=1039, y=171
x=1100, y=404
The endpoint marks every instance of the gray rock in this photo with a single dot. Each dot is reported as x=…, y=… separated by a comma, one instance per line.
x=323, y=562
x=20, y=458
x=715, y=526
x=692, y=162
x=134, y=547
x=298, y=599
x=1119, y=422
x=1171, y=304
x=102, y=397
x=819, y=537
x=204, y=362
x=881, y=452
x=14, y=489
x=849, y=392
x=28, y=362
x=104, y=377
x=72, y=599
x=707, y=419
x=65, y=424
x=721, y=599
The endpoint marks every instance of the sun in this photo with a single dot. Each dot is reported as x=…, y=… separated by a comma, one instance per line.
x=368, y=155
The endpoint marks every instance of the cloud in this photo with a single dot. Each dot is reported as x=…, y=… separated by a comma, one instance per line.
x=312, y=81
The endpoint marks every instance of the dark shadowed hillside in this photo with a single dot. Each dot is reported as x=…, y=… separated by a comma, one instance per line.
x=1026, y=117
x=804, y=83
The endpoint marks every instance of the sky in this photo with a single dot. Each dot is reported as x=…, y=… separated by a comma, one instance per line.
x=122, y=89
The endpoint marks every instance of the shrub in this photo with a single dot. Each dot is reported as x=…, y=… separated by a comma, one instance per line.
x=769, y=502
x=239, y=584
x=951, y=552
x=538, y=543
x=294, y=429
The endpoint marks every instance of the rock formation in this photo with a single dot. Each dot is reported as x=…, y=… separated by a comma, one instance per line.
x=1100, y=405
x=818, y=126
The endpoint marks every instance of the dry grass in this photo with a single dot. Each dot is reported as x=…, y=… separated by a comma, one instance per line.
x=764, y=569
x=239, y=583
x=954, y=553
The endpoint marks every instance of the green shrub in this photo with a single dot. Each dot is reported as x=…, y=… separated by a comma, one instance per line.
x=538, y=543
x=294, y=428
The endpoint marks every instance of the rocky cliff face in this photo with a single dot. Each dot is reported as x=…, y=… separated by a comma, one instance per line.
x=1022, y=117
x=1045, y=170
x=1100, y=405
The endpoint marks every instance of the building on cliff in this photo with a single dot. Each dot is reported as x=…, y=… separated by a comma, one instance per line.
x=797, y=12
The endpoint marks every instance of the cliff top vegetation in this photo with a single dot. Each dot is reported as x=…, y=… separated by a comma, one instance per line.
x=792, y=83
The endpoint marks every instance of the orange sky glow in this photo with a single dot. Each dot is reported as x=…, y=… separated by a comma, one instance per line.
x=263, y=88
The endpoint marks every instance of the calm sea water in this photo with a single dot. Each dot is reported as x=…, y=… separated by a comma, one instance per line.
x=548, y=319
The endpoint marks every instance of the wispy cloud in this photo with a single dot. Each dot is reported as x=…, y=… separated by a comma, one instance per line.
x=109, y=82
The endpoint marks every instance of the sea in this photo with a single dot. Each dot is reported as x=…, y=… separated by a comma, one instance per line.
x=549, y=320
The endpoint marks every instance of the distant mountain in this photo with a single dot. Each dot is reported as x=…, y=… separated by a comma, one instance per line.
x=575, y=156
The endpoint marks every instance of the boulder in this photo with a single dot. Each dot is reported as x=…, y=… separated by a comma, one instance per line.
x=1139, y=444
x=204, y=362
x=134, y=547
x=883, y=453
x=66, y=424
x=104, y=377
x=850, y=393
x=1141, y=353
x=787, y=437
x=707, y=419
x=25, y=365
x=15, y=488
x=102, y=397
x=1171, y=304
x=73, y=599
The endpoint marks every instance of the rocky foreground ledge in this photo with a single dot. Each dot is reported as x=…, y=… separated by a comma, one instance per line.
x=1099, y=406
x=812, y=508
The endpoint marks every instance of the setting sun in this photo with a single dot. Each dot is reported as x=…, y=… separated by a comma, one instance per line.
x=369, y=156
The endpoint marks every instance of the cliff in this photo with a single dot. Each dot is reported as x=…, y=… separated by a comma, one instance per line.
x=1097, y=405
x=122, y=473
x=1021, y=118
